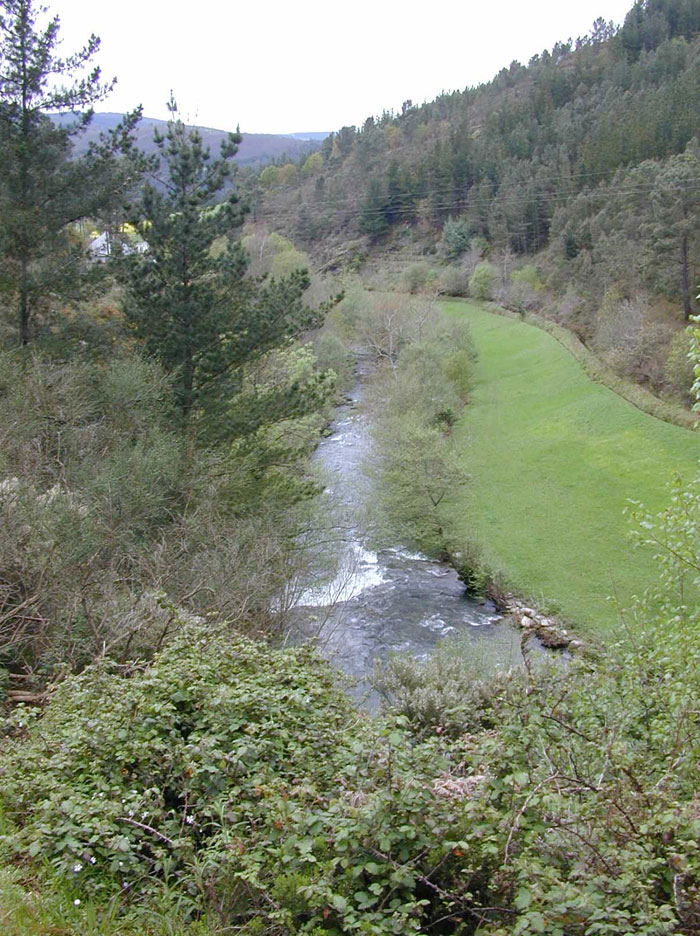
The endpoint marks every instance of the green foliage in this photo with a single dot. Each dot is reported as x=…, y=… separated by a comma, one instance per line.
x=272, y=255
x=43, y=189
x=91, y=475
x=373, y=220
x=236, y=777
x=456, y=690
x=108, y=519
x=313, y=165
x=269, y=177
x=268, y=456
x=482, y=281
x=456, y=236
x=453, y=281
x=679, y=371
x=528, y=276
x=419, y=398
x=417, y=277
x=192, y=307
x=234, y=781
x=417, y=467
x=333, y=354
x=674, y=536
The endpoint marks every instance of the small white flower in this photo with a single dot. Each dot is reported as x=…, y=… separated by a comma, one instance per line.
x=77, y=867
x=93, y=860
x=131, y=813
x=77, y=901
x=190, y=820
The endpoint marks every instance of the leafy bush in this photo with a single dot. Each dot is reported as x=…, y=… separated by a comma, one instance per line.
x=91, y=474
x=454, y=281
x=454, y=690
x=417, y=277
x=417, y=403
x=236, y=776
x=525, y=288
x=482, y=281
x=332, y=354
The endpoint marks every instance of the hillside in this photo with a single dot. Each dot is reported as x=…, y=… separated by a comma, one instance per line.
x=585, y=162
x=257, y=149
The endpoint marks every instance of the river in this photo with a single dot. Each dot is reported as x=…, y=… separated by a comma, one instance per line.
x=382, y=600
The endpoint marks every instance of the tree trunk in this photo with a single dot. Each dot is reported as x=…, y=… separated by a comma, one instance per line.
x=685, y=284
x=24, y=305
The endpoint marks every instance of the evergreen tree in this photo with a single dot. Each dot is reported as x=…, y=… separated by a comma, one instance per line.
x=188, y=298
x=674, y=229
x=43, y=190
x=373, y=221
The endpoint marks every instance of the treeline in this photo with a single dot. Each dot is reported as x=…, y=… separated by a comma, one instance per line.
x=506, y=154
x=586, y=158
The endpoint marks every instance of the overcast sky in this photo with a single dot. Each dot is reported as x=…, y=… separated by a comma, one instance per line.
x=284, y=67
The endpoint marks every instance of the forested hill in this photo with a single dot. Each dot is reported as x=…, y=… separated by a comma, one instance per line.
x=587, y=156
x=257, y=149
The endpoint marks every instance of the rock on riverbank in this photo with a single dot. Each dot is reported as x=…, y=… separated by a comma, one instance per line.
x=549, y=631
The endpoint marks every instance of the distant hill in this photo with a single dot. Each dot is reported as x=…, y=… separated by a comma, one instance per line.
x=318, y=135
x=257, y=149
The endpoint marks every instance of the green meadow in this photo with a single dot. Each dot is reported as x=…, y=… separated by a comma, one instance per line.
x=554, y=458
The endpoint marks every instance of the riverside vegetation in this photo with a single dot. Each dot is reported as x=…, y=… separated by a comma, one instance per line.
x=167, y=765
x=202, y=780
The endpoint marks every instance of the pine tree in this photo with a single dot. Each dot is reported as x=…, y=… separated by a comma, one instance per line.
x=188, y=299
x=42, y=189
x=676, y=202
x=373, y=220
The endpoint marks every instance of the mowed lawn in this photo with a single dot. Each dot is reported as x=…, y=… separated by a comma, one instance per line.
x=554, y=459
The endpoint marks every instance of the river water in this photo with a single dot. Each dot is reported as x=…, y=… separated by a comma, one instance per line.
x=378, y=601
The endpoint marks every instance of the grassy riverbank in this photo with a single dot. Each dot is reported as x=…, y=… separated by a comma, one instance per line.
x=554, y=459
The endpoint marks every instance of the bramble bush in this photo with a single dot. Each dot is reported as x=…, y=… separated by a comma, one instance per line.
x=239, y=776
x=241, y=781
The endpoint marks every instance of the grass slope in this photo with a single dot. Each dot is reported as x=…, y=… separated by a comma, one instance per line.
x=554, y=459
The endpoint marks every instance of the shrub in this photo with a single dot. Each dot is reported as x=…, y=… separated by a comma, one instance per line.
x=417, y=277
x=332, y=354
x=91, y=475
x=525, y=288
x=454, y=281
x=482, y=281
x=454, y=690
x=236, y=776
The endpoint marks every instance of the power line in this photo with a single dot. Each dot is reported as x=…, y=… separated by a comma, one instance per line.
x=351, y=208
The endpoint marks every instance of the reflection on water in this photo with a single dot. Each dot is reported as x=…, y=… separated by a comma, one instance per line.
x=384, y=601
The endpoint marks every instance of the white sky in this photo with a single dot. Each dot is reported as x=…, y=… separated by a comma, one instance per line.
x=284, y=67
